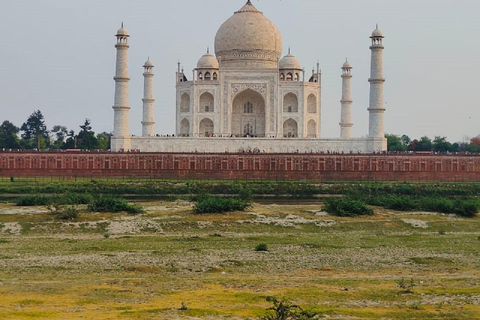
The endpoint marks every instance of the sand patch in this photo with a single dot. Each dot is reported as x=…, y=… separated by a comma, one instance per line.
x=416, y=223
x=288, y=221
x=12, y=228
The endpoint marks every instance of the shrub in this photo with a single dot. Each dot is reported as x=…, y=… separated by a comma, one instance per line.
x=464, y=208
x=62, y=212
x=210, y=204
x=284, y=310
x=68, y=213
x=62, y=199
x=406, y=286
x=261, y=247
x=113, y=204
x=33, y=200
x=400, y=203
x=79, y=198
x=347, y=207
x=467, y=208
x=183, y=306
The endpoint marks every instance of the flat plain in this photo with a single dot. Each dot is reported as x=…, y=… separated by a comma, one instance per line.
x=393, y=265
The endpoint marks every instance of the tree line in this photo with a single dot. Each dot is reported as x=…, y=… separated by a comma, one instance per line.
x=438, y=144
x=34, y=134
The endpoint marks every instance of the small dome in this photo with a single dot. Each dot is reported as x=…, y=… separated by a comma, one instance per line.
x=347, y=65
x=377, y=33
x=289, y=62
x=148, y=64
x=122, y=31
x=207, y=61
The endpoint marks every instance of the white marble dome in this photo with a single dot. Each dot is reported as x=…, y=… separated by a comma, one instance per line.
x=122, y=32
x=289, y=62
x=148, y=64
x=377, y=33
x=347, y=65
x=250, y=37
x=207, y=61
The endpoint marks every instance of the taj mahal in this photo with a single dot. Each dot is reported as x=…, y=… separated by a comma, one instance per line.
x=246, y=97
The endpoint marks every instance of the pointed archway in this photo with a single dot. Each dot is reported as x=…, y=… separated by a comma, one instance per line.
x=248, y=114
x=290, y=129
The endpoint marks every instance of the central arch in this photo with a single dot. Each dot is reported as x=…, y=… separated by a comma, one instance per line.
x=248, y=114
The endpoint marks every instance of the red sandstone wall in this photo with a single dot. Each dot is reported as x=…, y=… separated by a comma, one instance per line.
x=321, y=167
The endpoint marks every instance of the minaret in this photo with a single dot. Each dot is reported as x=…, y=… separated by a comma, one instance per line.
x=377, y=107
x=121, y=133
x=346, y=117
x=148, y=123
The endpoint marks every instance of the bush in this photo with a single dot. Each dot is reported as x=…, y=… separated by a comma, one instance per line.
x=35, y=200
x=406, y=286
x=347, y=207
x=113, y=204
x=62, y=199
x=464, y=208
x=78, y=198
x=62, y=212
x=261, y=247
x=283, y=309
x=68, y=213
x=400, y=203
x=468, y=208
x=210, y=204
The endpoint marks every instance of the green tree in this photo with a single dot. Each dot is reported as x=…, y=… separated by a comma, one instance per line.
x=103, y=140
x=440, y=144
x=8, y=135
x=71, y=142
x=86, y=137
x=395, y=143
x=406, y=139
x=35, y=128
x=61, y=133
x=425, y=144
x=455, y=147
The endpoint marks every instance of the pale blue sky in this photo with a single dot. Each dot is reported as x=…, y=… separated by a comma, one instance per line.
x=58, y=56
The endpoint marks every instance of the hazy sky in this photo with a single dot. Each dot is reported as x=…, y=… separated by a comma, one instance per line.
x=58, y=56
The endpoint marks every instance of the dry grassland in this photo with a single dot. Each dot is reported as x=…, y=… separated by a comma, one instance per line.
x=105, y=266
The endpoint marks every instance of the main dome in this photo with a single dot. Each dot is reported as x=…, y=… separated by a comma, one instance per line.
x=248, y=40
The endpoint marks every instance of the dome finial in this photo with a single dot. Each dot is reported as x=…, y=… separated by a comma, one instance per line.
x=208, y=50
x=248, y=2
x=122, y=24
x=288, y=49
